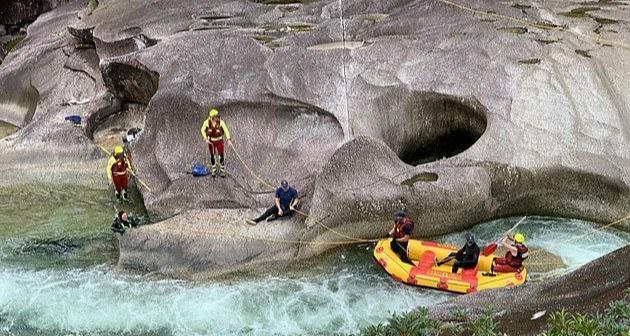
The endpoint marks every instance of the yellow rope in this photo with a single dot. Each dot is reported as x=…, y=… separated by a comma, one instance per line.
x=272, y=240
x=247, y=167
x=130, y=170
x=357, y=240
x=535, y=25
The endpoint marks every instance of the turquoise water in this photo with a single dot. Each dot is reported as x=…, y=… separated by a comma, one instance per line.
x=57, y=277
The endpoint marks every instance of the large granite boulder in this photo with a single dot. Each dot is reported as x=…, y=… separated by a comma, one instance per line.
x=365, y=108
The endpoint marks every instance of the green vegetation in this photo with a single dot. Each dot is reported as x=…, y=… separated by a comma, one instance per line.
x=614, y=321
x=424, y=177
x=91, y=4
x=416, y=322
x=484, y=325
x=530, y=61
x=579, y=12
x=521, y=6
x=515, y=30
x=13, y=43
x=603, y=21
x=280, y=2
x=263, y=38
x=583, y=53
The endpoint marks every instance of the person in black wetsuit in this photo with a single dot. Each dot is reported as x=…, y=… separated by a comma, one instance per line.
x=123, y=222
x=466, y=257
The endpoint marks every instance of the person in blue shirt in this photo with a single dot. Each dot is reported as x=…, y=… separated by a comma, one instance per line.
x=286, y=200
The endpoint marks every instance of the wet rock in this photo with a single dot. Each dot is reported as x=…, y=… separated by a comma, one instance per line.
x=212, y=243
x=130, y=81
x=83, y=35
x=20, y=11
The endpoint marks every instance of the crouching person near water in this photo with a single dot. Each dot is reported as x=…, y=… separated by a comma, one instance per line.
x=123, y=222
x=285, y=202
x=401, y=233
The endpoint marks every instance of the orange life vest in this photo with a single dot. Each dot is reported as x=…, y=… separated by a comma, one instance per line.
x=399, y=227
x=120, y=167
x=214, y=130
x=521, y=255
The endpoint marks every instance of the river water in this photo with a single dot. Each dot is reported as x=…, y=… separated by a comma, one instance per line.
x=57, y=277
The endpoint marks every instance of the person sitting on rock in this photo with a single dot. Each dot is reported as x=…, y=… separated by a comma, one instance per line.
x=516, y=253
x=213, y=130
x=122, y=222
x=401, y=233
x=286, y=201
x=117, y=167
x=466, y=257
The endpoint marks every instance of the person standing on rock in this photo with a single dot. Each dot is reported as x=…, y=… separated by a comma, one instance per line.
x=285, y=202
x=213, y=130
x=514, y=257
x=117, y=167
x=401, y=233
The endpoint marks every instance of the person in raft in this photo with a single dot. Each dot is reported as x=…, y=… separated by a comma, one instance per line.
x=213, y=130
x=123, y=222
x=466, y=257
x=117, y=167
x=514, y=257
x=401, y=233
x=285, y=202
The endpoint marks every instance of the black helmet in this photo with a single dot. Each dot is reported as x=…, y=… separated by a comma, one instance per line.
x=470, y=238
x=284, y=184
x=399, y=213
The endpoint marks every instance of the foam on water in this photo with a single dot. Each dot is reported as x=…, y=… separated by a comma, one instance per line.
x=576, y=242
x=98, y=300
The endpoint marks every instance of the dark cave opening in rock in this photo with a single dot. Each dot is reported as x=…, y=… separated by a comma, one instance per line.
x=449, y=144
x=432, y=126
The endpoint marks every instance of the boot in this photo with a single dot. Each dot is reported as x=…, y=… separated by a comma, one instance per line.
x=117, y=196
x=124, y=195
x=213, y=172
x=221, y=171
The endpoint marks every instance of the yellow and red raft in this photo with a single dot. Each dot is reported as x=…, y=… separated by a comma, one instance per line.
x=426, y=273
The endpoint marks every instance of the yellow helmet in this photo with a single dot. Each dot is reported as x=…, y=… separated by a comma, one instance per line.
x=118, y=150
x=519, y=238
x=214, y=113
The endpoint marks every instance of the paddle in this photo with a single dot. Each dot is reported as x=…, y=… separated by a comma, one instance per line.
x=488, y=250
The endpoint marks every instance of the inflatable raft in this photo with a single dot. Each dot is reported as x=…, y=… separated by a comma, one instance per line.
x=426, y=273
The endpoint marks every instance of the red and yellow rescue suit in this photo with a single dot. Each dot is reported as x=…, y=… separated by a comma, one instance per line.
x=117, y=167
x=213, y=130
x=403, y=227
x=511, y=263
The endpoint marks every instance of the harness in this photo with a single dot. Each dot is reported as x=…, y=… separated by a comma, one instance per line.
x=521, y=255
x=120, y=167
x=214, y=131
x=399, y=227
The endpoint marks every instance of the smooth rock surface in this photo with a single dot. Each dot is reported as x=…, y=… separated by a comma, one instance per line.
x=421, y=89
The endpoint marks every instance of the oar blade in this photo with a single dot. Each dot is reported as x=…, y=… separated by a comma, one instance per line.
x=488, y=250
